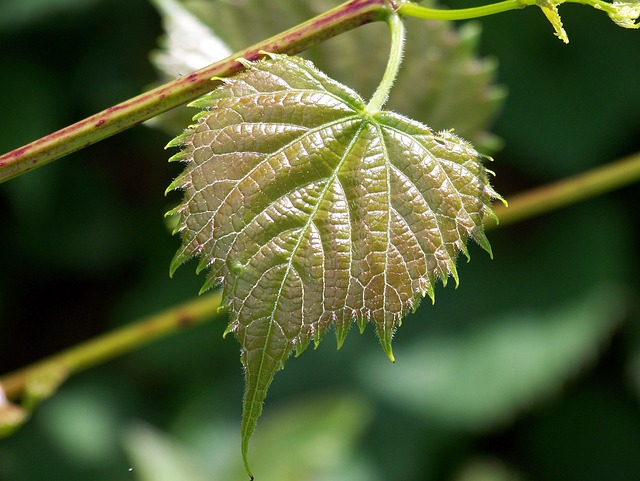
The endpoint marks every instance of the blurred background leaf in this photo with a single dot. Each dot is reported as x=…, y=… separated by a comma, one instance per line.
x=319, y=435
x=484, y=373
x=84, y=249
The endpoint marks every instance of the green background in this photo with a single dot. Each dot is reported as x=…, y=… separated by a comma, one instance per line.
x=530, y=370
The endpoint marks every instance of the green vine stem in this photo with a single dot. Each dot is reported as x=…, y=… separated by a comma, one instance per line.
x=413, y=10
x=125, y=115
x=578, y=188
x=104, y=348
x=42, y=378
x=622, y=13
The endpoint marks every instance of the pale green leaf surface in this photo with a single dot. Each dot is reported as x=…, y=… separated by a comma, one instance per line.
x=320, y=433
x=314, y=211
x=157, y=457
x=312, y=438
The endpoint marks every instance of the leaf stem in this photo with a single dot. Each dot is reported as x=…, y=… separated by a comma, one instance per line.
x=623, y=14
x=396, y=52
x=125, y=115
x=413, y=10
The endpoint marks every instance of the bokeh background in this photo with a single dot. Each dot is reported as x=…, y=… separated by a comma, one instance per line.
x=530, y=370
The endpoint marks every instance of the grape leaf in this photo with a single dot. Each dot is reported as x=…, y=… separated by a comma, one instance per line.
x=315, y=211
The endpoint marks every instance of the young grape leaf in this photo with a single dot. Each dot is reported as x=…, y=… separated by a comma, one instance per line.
x=315, y=211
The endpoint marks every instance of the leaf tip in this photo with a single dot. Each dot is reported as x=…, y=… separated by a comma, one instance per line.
x=301, y=343
x=342, y=328
x=172, y=212
x=425, y=288
x=385, y=335
x=453, y=270
x=362, y=324
x=232, y=327
x=177, y=183
x=389, y=352
x=481, y=238
x=207, y=285
x=179, y=142
x=244, y=62
x=176, y=262
x=465, y=251
x=266, y=53
x=175, y=142
x=245, y=450
x=247, y=469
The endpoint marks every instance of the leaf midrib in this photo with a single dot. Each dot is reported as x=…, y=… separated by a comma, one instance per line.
x=277, y=152
x=303, y=231
x=258, y=165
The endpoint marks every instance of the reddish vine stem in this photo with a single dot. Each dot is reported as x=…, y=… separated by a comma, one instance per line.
x=125, y=115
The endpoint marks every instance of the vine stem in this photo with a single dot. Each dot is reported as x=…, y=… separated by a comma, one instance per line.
x=521, y=207
x=125, y=115
x=108, y=346
x=413, y=10
x=578, y=188
x=623, y=14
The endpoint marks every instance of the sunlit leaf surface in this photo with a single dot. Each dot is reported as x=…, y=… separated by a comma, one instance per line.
x=314, y=212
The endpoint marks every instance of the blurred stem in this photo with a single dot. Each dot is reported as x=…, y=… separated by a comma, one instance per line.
x=204, y=309
x=106, y=347
x=569, y=191
x=118, y=118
